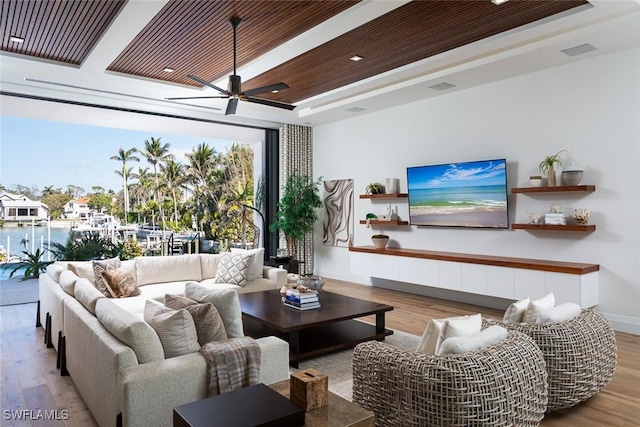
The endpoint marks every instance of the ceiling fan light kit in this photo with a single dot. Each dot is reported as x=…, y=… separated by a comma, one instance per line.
x=234, y=91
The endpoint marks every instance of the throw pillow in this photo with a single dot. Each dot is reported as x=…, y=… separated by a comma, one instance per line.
x=463, y=326
x=225, y=300
x=556, y=314
x=83, y=269
x=459, y=345
x=256, y=261
x=536, y=306
x=175, y=328
x=233, y=269
x=119, y=283
x=432, y=336
x=516, y=310
x=209, y=325
x=131, y=330
x=99, y=267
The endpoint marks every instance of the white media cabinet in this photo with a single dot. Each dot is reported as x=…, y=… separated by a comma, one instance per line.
x=496, y=276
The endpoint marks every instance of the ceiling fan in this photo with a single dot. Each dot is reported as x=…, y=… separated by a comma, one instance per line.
x=234, y=93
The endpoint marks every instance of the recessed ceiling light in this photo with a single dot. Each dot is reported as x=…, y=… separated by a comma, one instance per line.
x=499, y=1
x=16, y=39
x=275, y=91
x=356, y=58
x=442, y=86
x=168, y=70
x=579, y=50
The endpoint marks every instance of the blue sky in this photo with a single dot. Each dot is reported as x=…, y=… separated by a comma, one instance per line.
x=42, y=153
x=458, y=175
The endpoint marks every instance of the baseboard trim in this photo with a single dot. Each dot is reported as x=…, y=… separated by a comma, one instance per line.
x=628, y=324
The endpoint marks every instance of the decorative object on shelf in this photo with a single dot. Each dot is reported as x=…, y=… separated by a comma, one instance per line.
x=297, y=210
x=572, y=174
x=390, y=215
x=314, y=283
x=380, y=240
x=375, y=188
x=555, y=219
x=535, y=180
x=535, y=218
x=556, y=208
x=547, y=167
x=581, y=216
x=369, y=217
x=391, y=186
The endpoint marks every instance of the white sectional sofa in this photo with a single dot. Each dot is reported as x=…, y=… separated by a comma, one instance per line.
x=115, y=359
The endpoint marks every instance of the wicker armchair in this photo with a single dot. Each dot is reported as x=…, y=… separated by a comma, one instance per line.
x=504, y=384
x=580, y=354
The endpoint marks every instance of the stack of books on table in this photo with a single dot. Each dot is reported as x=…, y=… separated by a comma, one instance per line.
x=301, y=300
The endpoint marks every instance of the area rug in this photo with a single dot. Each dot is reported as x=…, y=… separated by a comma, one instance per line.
x=338, y=365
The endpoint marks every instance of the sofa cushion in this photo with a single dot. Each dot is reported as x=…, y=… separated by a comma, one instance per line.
x=209, y=265
x=54, y=270
x=119, y=283
x=254, y=285
x=157, y=291
x=83, y=269
x=99, y=267
x=162, y=269
x=233, y=268
x=175, y=328
x=131, y=330
x=67, y=281
x=225, y=300
x=556, y=314
x=256, y=261
x=536, y=306
x=209, y=325
x=516, y=310
x=87, y=294
x=464, y=344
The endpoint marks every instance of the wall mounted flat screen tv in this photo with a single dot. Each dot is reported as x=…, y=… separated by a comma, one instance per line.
x=469, y=194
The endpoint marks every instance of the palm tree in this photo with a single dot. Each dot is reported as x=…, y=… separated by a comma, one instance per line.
x=124, y=157
x=174, y=175
x=156, y=152
x=202, y=161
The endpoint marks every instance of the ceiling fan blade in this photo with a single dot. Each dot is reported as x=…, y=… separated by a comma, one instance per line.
x=232, y=105
x=264, y=89
x=198, y=97
x=206, y=83
x=271, y=103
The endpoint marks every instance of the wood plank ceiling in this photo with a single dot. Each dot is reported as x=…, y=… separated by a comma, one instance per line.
x=193, y=37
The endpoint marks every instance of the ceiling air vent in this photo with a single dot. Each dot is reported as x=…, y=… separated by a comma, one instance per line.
x=579, y=50
x=442, y=86
x=355, y=109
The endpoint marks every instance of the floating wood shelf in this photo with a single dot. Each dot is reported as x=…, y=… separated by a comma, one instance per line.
x=500, y=261
x=384, y=196
x=548, y=227
x=557, y=189
x=378, y=222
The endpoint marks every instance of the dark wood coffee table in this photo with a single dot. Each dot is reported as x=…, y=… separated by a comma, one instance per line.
x=312, y=332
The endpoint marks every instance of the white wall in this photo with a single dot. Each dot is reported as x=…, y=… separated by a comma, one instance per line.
x=590, y=107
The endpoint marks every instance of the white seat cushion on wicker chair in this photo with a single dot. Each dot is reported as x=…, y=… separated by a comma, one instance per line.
x=559, y=313
x=516, y=310
x=438, y=330
x=460, y=345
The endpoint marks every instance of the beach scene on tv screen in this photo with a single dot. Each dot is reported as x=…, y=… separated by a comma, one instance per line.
x=469, y=194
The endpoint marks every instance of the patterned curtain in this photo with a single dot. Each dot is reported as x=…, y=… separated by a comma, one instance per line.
x=296, y=149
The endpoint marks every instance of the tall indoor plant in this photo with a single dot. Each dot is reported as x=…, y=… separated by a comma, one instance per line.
x=297, y=215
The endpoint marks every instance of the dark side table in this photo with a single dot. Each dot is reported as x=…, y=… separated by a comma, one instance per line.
x=292, y=266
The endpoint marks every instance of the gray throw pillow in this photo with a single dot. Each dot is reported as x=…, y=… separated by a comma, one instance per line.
x=209, y=325
x=175, y=328
x=233, y=268
x=225, y=300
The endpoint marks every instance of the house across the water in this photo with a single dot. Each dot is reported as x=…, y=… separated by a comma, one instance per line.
x=21, y=209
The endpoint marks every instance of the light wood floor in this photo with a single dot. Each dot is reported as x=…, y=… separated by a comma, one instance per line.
x=31, y=381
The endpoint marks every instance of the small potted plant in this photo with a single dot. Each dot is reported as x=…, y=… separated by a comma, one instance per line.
x=375, y=188
x=547, y=167
x=380, y=240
